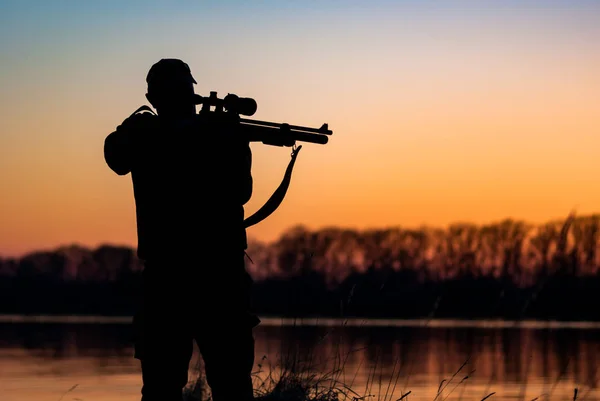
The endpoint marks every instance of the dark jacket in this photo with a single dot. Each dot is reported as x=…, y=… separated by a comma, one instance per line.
x=191, y=180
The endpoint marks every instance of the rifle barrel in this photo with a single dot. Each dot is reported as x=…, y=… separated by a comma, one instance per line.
x=274, y=135
x=323, y=130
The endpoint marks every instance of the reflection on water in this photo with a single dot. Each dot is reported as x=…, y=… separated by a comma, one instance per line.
x=42, y=361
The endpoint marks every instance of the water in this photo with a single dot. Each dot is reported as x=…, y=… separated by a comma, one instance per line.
x=44, y=361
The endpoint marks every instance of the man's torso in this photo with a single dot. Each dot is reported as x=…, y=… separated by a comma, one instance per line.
x=185, y=179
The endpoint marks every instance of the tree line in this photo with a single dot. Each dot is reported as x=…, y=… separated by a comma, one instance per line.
x=507, y=269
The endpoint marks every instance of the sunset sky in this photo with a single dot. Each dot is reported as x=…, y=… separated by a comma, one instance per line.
x=441, y=111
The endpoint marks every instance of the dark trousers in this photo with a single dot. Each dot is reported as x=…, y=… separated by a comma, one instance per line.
x=179, y=307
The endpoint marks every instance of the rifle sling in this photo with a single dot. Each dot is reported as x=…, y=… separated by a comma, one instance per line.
x=276, y=198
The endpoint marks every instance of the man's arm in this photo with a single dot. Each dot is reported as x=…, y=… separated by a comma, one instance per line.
x=120, y=146
x=118, y=151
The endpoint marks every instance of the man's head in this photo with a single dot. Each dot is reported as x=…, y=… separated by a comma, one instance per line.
x=171, y=88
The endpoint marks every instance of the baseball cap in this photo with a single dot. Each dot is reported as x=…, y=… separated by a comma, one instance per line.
x=167, y=71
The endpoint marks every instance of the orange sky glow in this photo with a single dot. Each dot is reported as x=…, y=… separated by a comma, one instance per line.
x=439, y=115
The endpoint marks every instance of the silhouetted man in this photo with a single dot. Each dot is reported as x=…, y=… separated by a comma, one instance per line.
x=191, y=178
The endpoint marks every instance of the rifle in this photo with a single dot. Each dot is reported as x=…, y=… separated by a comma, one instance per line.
x=269, y=133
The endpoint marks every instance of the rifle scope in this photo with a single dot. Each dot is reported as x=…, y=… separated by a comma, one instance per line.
x=232, y=103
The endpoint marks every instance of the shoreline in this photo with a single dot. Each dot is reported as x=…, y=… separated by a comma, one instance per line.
x=327, y=322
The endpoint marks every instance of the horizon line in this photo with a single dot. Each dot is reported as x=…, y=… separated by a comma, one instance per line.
x=322, y=228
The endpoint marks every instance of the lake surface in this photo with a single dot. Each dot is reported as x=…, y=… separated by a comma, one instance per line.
x=92, y=360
